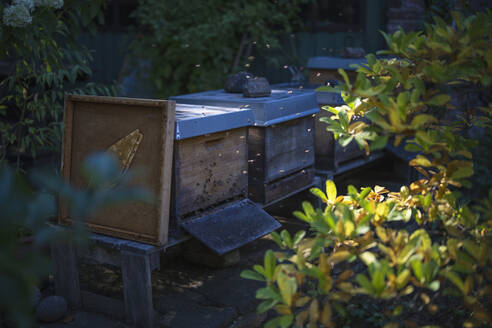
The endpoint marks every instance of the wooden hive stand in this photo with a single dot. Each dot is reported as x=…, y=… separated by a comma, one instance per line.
x=136, y=260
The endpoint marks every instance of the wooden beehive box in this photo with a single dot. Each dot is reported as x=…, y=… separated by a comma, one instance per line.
x=280, y=142
x=210, y=158
x=94, y=124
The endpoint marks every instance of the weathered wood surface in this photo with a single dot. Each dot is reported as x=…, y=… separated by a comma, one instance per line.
x=324, y=143
x=209, y=170
x=289, y=147
x=279, y=150
x=137, y=289
x=66, y=273
x=266, y=193
x=287, y=185
x=94, y=124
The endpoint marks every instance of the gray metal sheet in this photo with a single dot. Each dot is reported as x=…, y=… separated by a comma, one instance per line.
x=280, y=106
x=196, y=120
x=231, y=227
x=322, y=97
x=327, y=62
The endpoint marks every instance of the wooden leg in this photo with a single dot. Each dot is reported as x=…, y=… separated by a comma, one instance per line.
x=66, y=273
x=137, y=287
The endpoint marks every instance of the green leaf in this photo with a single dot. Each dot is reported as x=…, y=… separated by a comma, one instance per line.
x=367, y=258
x=379, y=142
x=462, y=172
x=286, y=238
x=420, y=161
x=422, y=119
x=282, y=322
x=439, y=100
x=270, y=264
x=434, y=286
x=318, y=193
x=302, y=216
x=364, y=283
x=345, y=77
x=331, y=190
x=298, y=237
x=287, y=286
x=454, y=278
x=248, y=274
x=266, y=305
x=276, y=238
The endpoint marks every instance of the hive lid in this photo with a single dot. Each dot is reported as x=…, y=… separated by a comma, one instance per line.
x=280, y=106
x=328, y=62
x=231, y=227
x=322, y=97
x=196, y=120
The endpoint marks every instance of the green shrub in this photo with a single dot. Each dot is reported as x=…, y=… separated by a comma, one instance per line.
x=193, y=45
x=27, y=206
x=38, y=41
x=357, y=246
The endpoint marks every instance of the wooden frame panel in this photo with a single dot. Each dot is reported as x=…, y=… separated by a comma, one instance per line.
x=93, y=124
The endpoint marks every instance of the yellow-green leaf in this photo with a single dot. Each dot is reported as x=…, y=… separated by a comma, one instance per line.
x=331, y=190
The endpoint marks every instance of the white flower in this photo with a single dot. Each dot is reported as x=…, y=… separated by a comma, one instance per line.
x=29, y=4
x=17, y=15
x=57, y=4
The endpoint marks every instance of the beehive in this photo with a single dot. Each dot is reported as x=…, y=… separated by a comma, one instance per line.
x=210, y=157
x=329, y=154
x=280, y=140
x=141, y=134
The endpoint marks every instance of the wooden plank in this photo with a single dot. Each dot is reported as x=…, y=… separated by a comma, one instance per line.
x=287, y=185
x=289, y=147
x=256, y=154
x=166, y=155
x=66, y=273
x=137, y=285
x=323, y=142
x=222, y=159
x=209, y=170
x=95, y=124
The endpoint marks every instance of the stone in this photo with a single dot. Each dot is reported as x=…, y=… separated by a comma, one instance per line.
x=236, y=82
x=257, y=87
x=35, y=297
x=51, y=308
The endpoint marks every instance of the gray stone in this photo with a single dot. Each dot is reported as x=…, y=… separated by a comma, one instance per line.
x=236, y=82
x=51, y=308
x=35, y=297
x=257, y=87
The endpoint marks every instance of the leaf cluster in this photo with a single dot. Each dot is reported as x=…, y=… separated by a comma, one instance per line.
x=357, y=245
x=28, y=204
x=193, y=45
x=46, y=61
